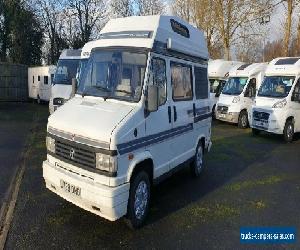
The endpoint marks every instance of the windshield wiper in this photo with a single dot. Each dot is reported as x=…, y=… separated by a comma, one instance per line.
x=84, y=93
x=123, y=91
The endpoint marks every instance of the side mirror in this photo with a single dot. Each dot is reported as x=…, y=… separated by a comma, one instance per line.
x=74, y=86
x=152, y=98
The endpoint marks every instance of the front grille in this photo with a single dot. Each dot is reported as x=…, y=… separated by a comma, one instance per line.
x=260, y=116
x=222, y=109
x=58, y=101
x=75, y=153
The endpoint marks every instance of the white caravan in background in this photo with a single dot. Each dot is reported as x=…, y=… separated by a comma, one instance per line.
x=239, y=93
x=66, y=70
x=141, y=111
x=277, y=107
x=218, y=73
x=39, y=82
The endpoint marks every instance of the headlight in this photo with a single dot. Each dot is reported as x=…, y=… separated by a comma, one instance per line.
x=106, y=163
x=236, y=99
x=50, y=144
x=280, y=104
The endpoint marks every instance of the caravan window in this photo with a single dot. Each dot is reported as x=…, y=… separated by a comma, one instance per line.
x=39, y=78
x=32, y=79
x=181, y=78
x=201, y=83
x=46, y=80
x=159, y=78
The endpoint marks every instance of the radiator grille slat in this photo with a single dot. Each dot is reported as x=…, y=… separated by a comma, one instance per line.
x=75, y=153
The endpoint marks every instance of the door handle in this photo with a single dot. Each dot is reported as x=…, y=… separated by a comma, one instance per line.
x=169, y=114
x=175, y=113
x=194, y=109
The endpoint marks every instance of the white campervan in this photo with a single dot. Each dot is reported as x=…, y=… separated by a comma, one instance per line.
x=218, y=72
x=277, y=107
x=66, y=70
x=141, y=111
x=239, y=93
x=39, y=82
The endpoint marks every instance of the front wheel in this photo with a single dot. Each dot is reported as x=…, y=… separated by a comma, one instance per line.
x=197, y=165
x=288, y=131
x=139, y=199
x=243, y=120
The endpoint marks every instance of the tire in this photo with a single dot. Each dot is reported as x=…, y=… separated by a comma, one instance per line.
x=197, y=165
x=255, y=131
x=243, y=120
x=288, y=132
x=214, y=112
x=137, y=209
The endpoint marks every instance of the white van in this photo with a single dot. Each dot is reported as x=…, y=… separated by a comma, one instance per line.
x=277, y=107
x=218, y=72
x=39, y=82
x=67, y=67
x=141, y=111
x=239, y=93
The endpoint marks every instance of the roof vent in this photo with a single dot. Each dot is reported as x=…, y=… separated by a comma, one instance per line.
x=244, y=66
x=287, y=61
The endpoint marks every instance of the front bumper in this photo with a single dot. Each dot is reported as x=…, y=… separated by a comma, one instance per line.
x=274, y=124
x=107, y=202
x=231, y=117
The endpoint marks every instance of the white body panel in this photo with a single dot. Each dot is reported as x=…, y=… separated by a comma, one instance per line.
x=229, y=107
x=39, y=82
x=277, y=117
x=167, y=137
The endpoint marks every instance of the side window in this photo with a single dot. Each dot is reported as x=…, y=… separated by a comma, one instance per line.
x=39, y=78
x=46, y=80
x=159, y=78
x=181, y=78
x=296, y=93
x=201, y=83
x=251, y=89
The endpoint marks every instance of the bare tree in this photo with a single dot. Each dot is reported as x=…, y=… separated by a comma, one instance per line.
x=149, y=7
x=233, y=16
x=121, y=8
x=182, y=8
x=91, y=16
x=288, y=25
x=50, y=13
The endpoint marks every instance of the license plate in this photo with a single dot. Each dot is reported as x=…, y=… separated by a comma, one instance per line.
x=69, y=188
x=222, y=115
x=261, y=124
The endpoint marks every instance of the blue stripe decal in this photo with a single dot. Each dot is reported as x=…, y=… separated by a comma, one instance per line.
x=127, y=147
x=202, y=117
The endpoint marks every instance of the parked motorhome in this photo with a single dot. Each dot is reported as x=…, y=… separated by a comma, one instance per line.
x=218, y=72
x=277, y=107
x=67, y=68
x=39, y=82
x=141, y=111
x=239, y=93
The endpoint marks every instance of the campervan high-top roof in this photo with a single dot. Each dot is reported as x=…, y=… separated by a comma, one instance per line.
x=284, y=66
x=70, y=54
x=220, y=68
x=248, y=70
x=167, y=33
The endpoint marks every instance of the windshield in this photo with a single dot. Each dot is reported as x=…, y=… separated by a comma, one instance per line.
x=81, y=67
x=276, y=86
x=216, y=85
x=65, y=71
x=235, y=85
x=114, y=74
